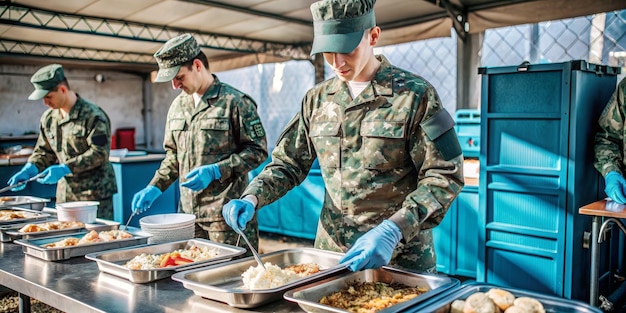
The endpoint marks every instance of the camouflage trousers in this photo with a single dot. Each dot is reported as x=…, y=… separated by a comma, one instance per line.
x=222, y=233
x=415, y=255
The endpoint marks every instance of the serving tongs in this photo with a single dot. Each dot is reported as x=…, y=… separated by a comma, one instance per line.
x=254, y=252
x=129, y=219
x=7, y=188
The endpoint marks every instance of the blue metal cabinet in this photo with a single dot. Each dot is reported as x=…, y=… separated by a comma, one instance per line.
x=133, y=174
x=456, y=237
x=536, y=170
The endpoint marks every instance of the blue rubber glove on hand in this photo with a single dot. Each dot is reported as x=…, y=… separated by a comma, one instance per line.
x=200, y=177
x=143, y=199
x=374, y=249
x=53, y=174
x=28, y=171
x=615, y=187
x=237, y=213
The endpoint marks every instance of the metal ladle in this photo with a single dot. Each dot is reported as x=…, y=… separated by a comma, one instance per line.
x=254, y=252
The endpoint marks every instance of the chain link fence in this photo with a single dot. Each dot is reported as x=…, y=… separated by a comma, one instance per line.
x=601, y=38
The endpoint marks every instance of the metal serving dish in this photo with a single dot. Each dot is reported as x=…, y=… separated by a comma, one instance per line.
x=35, y=215
x=16, y=234
x=102, y=224
x=26, y=202
x=308, y=297
x=223, y=282
x=551, y=304
x=34, y=247
x=112, y=261
x=4, y=229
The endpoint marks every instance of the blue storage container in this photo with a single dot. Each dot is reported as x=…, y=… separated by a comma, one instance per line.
x=467, y=127
x=536, y=170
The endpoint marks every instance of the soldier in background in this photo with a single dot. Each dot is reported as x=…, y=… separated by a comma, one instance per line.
x=213, y=138
x=76, y=134
x=610, y=145
x=388, y=153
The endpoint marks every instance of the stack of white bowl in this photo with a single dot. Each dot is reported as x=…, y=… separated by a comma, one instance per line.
x=168, y=227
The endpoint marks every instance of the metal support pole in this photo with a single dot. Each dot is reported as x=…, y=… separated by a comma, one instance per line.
x=24, y=303
x=595, y=261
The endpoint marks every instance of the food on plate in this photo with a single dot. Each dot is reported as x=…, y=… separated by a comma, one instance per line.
x=496, y=300
x=146, y=261
x=91, y=237
x=255, y=277
x=367, y=297
x=48, y=226
x=7, y=199
x=7, y=215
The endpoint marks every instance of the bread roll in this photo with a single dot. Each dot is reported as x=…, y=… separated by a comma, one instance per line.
x=515, y=309
x=529, y=304
x=502, y=298
x=457, y=306
x=479, y=302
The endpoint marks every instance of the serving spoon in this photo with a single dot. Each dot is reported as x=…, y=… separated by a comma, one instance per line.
x=254, y=252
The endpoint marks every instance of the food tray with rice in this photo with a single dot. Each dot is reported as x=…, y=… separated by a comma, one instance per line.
x=382, y=290
x=63, y=247
x=224, y=282
x=491, y=298
x=147, y=263
x=26, y=202
x=13, y=215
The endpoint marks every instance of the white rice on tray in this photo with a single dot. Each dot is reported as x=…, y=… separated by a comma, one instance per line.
x=272, y=276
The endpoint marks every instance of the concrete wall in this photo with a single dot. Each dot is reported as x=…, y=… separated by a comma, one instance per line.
x=121, y=95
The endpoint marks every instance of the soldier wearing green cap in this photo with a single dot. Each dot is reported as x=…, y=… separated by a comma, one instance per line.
x=387, y=150
x=213, y=138
x=72, y=150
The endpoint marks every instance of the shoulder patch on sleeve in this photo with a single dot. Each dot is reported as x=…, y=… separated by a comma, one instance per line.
x=256, y=129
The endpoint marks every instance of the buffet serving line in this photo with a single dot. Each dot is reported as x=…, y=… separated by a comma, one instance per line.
x=101, y=266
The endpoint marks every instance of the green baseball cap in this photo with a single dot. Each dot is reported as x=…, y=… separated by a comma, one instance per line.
x=338, y=25
x=46, y=79
x=172, y=54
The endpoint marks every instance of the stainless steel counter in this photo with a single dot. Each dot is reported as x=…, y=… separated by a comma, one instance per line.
x=76, y=285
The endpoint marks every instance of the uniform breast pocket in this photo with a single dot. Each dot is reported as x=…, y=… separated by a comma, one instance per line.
x=215, y=133
x=177, y=128
x=76, y=143
x=325, y=138
x=384, y=145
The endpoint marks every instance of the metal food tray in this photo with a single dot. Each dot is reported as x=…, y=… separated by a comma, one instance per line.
x=551, y=304
x=308, y=297
x=38, y=215
x=34, y=247
x=4, y=237
x=112, y=261
x=223, y=282
x=102, y=224
x=16, y=234
x=26, y=202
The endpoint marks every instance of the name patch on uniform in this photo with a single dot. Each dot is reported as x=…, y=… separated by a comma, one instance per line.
x=256, y=129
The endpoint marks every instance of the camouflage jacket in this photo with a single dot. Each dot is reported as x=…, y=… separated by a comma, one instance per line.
x=391, y=153
x=610, y=142
x=82, y=141
x=224, y=129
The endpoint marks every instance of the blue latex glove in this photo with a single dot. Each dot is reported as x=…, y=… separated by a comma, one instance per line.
x=28, y=171
x=53, y=174
x=200, y=177
x=237, y=213
x=143, y=199
x=374, y=249
x=615, y=187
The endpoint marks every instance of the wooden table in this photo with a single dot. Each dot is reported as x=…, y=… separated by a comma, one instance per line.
x=604, y=212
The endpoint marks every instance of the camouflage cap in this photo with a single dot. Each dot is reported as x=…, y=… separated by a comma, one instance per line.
x=172, y=54
x=338, y=25
x=45, y=79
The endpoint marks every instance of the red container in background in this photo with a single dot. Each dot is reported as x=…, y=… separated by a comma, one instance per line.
x=113, y=142
x=125, y=138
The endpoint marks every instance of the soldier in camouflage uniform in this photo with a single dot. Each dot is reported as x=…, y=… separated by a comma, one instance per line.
x=76, y=133
x=387, y=150
x=610, y=145
x=213, y=138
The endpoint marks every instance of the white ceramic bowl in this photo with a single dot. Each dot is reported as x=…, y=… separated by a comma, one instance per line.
x=78, y=211
x=167, y=221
